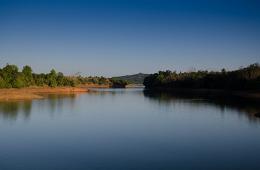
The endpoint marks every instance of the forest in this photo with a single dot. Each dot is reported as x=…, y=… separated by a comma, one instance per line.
x=11, y=77
x=246, y=78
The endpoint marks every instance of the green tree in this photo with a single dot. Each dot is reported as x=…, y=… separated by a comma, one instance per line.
x=60, y=79
x=27, y=72
x=20, y=81
x=52, y=78
x=247, y=78
x=9, y=74
x=2, y=83
x=39, y=79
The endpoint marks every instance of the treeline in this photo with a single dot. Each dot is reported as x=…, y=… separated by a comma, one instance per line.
x=119, y=83
x=134, y=78
x=247, y=78
x=112, y=82
x=11, y=77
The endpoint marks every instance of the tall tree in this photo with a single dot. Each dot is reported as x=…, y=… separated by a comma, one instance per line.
x=52, y=78
x=9, y=74
x=27, y=72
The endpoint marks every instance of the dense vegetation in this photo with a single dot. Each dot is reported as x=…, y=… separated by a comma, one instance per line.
x=118, y=83
x=134, y=79
x=111, y=82
x=247, y=78
x=10, y=77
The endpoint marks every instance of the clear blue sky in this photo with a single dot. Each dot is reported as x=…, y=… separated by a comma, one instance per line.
x=108, y=37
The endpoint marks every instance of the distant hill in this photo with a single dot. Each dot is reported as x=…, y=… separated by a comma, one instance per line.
x=134, y=79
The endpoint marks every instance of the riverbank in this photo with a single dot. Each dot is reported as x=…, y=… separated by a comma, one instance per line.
x=134, y=86
x=90, y=85
x=36, y=92
x=109, y=86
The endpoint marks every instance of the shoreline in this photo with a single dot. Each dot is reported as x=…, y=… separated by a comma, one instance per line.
x=94, y=86
x=31, y=93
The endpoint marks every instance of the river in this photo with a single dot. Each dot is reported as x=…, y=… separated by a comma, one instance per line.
x=128, y=129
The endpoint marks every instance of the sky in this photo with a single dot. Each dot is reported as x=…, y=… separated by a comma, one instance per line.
x=121, y=37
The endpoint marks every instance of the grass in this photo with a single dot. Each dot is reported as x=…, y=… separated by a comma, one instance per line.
x=36, y=92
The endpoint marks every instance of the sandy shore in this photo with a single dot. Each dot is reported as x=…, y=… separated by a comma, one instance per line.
x=36, y=93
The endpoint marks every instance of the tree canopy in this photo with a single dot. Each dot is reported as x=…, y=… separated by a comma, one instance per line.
x=247, y=78
x=10, y=77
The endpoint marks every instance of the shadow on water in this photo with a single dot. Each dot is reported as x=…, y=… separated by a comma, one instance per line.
x=56, y=101
x=11, y=110
x=245, y=107
x=112, y=92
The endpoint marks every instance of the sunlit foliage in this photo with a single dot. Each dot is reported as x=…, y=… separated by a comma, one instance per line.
x=10, y=77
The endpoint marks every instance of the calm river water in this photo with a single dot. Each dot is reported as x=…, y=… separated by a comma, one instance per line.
x=129, y=129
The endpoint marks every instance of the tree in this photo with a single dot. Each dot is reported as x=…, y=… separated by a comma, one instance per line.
x=60, y=79
x=247, y=78
x=51, y=78
x=2, y=83
x=20, y=81
x=27, y=72
x=39, y=79
x=9, y=74
x=118, y=83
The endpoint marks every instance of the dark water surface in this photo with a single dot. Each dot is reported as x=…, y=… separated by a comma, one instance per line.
x=129, y=129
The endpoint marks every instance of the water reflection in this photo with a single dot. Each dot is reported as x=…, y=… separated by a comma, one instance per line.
x=129, y=129
x=55, y=104
x=116, y=92
x=11, y=110
x=245, y=107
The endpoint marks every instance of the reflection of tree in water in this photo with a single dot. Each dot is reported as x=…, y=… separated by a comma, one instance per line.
x=247, y=107
x=10, y=110
x=52, y=102
x=115, y=91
